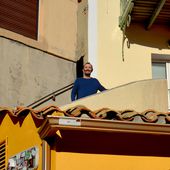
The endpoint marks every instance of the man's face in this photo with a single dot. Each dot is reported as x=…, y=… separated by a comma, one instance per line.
x=87, y=69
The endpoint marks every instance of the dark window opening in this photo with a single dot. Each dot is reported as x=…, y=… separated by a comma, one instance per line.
x=79, y=67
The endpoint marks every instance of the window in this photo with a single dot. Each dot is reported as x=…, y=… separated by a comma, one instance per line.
x=158, y=70
x=3, y=155
x=20, y=16
x=161, y=70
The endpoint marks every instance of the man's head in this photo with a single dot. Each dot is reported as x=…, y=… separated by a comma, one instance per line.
x=87, y=69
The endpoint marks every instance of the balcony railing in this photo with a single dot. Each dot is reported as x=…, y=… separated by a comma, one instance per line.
x=50, y=96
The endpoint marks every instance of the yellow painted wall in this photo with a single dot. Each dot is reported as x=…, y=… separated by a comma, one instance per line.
x=94, y=150
x=112, y=71
x=58, y=27
x=20, y=136
x=76, y=161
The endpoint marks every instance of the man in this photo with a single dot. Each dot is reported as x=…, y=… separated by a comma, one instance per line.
x=86, y=85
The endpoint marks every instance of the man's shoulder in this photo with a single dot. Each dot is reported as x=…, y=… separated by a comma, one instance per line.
x=94, y=79
x=85, y=79
x=78, y=79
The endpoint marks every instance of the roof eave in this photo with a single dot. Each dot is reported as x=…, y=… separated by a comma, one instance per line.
x=52, y=124
x=155, y=13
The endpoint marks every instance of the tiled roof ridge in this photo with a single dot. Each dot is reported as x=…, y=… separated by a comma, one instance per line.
x=21, y=110
x=149, y=115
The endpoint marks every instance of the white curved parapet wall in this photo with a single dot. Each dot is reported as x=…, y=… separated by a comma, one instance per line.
x=139, y=96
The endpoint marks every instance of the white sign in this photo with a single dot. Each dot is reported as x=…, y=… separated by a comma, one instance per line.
x=72, y=122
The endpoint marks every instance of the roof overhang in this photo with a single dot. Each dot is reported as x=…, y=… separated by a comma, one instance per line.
x=53, y=123
x=146, y=12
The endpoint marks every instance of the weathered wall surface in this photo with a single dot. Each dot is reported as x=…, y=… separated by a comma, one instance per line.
x=28, y=74
x=82, y=24
x=62, y=29
x=139, y=96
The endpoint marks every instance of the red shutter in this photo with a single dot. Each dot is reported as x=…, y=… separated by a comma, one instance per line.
x=20, y=16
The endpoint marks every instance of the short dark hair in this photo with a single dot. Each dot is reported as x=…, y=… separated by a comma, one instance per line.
x=88, y=63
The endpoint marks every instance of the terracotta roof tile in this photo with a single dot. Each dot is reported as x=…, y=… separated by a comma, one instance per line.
x=148, y=116
x=78, y=111
x=22, y=111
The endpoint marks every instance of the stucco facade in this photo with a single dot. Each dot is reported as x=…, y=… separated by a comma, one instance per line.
x=58, y=25
x=32, y=68
x=139, y=96
x=28, y=74
x=111, y=69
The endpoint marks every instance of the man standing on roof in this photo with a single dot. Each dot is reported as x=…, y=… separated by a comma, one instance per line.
x=86, y=85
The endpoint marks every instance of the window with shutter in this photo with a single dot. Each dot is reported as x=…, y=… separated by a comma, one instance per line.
x=20, y=16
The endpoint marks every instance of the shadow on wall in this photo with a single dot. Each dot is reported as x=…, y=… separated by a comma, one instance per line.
x=112, y=143
x=155, y=37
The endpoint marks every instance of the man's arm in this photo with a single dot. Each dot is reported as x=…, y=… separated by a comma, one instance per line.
x=101, y=88
x=74, y=91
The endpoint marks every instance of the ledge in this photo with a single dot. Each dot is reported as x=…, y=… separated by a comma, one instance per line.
x=53, y=123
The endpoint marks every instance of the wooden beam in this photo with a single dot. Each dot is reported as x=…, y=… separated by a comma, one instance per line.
x=155, y=13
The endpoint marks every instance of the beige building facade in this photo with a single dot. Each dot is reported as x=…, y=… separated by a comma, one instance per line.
x=58, y=25
x=121, y=62
x=125, y=127
x=67, y=31
x=36, y=67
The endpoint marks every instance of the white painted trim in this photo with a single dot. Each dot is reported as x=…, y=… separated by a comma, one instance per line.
x=92, y=35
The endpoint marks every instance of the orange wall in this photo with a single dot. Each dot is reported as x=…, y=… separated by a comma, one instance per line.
x=76, y=161
x=95, y=150
x=21, y=135
x=90, y=150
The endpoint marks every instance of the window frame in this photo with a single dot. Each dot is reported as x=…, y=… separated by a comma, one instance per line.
x=163, y=58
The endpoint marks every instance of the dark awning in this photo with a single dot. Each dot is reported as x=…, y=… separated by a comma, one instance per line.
x=147, y=12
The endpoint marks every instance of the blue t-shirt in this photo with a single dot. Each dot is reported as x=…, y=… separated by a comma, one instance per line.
x=84, y=87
